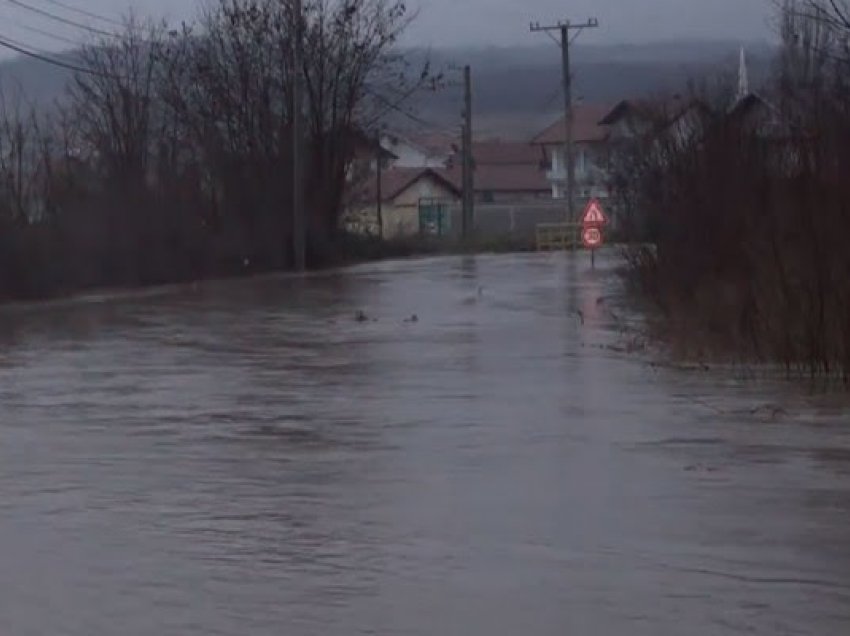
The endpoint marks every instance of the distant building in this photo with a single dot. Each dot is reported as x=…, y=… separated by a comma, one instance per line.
x=673, y=119
x=753, y=112
x=413, y=201
x=364, y=153
x=630, y=119
x=420, y=151
x=590, y=152
x=759, y=116
x=506, y=171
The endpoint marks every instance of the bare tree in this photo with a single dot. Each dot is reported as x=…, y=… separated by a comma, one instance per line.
x=230, y=84
x=115, y=105
x=172, y=156
x=748, y=223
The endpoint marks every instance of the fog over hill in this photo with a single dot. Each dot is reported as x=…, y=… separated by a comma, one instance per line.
x=517, y=90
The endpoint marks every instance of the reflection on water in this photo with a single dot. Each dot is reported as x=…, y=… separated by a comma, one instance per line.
x=246, y=458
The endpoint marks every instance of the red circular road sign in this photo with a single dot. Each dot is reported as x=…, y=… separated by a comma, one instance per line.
x=592, y=237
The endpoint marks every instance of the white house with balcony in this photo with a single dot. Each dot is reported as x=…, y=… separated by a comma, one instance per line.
x=590, y=150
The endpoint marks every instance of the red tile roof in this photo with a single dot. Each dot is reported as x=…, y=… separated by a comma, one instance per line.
x=662, y=109
x=640, y=107
x=586, y=126
x=488, y=178
x=499, y=153
x=506, y=178
x=396, y=180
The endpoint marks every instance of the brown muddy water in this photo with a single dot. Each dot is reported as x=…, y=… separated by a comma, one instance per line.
x=246, y=458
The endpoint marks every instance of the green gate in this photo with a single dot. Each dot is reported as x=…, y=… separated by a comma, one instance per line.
x=434, y=217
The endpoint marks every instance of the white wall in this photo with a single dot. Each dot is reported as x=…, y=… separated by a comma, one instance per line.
x=586, y=169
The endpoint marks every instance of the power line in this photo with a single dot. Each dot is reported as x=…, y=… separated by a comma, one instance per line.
x=431, y=126
x=88, y=14
x=57, y=18
x=396, y=106
x=21, y=48
x=48, y=34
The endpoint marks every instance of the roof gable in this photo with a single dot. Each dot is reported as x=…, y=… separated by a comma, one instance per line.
x=624, y=109
x=396, y=180
x=586, y=126
x=505, y=178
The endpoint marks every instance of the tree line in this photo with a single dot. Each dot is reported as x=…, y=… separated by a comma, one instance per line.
x=170, y=157
x=740, y=230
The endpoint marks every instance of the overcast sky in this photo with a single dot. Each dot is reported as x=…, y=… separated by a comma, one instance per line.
x=506, y=21
x=458, y=22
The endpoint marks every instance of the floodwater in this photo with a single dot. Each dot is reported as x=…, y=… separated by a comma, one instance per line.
x=246, y=458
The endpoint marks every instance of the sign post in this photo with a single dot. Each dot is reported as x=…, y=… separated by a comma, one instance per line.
x=592, y=222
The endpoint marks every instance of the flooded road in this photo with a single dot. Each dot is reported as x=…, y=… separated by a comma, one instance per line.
x=247, y=458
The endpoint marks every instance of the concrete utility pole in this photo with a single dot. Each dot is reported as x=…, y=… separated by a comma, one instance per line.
x=379, y=184
x=299, y=234
x=564, y=28
x=468, y=168
x=743, y=77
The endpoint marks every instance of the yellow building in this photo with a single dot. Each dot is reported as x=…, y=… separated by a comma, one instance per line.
x=413, y=201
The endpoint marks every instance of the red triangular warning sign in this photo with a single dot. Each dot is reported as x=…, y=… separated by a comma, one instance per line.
x=593, y=214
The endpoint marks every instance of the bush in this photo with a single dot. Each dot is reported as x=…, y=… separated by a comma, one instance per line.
x=748, y=218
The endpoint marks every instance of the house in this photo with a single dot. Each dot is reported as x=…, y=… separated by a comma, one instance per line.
x=413, y=201
x=510, y=184
x=420, y=151
x=658, y=122
x=496, y=152
x=631, y=119
x=757, y=115
x=364, y=153
x=506, y=172
x=763, y=123
x=590, y=151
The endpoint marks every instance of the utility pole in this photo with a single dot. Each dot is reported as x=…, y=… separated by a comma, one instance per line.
x=379, y=184
x=569, y=155
x=299, y=234
x=468, y=168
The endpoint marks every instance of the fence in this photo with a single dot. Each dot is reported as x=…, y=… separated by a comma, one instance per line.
x=526, y=222
x=519, y=221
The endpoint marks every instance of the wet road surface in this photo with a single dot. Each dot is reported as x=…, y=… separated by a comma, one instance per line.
x=247, y=458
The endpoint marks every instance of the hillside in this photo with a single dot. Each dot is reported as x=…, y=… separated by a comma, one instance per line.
x=517, y=90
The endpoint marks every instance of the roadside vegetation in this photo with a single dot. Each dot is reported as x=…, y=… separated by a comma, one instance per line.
x=741, y=230
x=171, y=156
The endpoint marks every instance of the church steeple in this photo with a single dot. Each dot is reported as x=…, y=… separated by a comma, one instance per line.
x=743, y=77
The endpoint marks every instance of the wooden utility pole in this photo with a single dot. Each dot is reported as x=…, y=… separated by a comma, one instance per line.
x=569, y=154
x=299, y=234
x=468, y=167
